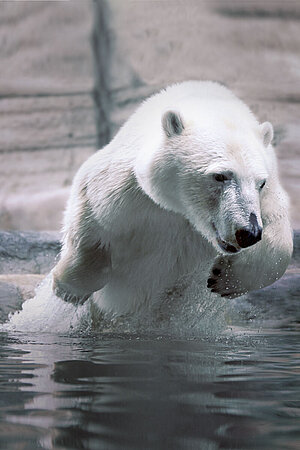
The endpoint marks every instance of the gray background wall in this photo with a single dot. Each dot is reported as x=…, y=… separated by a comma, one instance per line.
x=72, y=72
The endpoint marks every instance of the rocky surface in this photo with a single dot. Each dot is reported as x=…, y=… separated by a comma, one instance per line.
x=25, y=259
x=28, y=252
x=15, y=289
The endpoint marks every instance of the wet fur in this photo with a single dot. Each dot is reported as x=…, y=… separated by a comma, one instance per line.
x=139, y=216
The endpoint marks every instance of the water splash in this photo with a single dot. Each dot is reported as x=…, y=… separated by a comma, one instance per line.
x=185, y=315
x=46, y=312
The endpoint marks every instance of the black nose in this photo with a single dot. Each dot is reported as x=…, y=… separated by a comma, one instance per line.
x=248, y=236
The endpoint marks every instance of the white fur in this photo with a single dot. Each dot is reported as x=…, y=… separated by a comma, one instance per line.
x=150, y=200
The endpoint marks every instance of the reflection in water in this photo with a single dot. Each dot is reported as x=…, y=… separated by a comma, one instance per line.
x=150, y=392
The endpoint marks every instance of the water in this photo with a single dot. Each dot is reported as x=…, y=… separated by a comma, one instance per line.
x=235, y=387
x=117, y=392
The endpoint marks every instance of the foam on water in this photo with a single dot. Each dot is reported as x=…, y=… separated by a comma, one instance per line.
x=46, y=313
x=194, y=314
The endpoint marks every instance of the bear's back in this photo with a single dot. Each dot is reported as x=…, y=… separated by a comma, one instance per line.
x=199, y=103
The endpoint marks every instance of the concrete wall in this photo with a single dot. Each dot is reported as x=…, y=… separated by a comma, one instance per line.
x=72, y=72
x=47, y=112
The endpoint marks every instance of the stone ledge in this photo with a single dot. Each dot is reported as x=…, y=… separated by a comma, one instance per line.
x=15, y=289
x=28, y=251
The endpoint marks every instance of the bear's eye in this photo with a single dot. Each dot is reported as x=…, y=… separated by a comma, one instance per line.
x=262, y=185
x=220, y=177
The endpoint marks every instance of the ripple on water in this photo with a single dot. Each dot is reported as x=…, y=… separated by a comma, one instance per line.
x=149, y=392
x=200, y=374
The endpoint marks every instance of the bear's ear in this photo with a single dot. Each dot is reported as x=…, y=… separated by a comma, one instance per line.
x=267, y=133
x=172, y=123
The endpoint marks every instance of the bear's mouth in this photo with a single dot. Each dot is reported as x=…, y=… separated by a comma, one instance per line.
x=229, y=248
x=225, y=246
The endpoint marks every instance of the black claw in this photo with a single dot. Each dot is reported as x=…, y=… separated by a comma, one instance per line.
x=211, y=282
x=225, y=295
x=216, y=271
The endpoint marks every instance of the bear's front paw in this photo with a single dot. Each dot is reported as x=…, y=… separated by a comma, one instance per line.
x=223, y=280
x=60, y=291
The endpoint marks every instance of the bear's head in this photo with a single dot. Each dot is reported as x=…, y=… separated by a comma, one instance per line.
x=214, y=172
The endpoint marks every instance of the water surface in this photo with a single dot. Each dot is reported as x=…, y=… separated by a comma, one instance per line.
x=236, y=391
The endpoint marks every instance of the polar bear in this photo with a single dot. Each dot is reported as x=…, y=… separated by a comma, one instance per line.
x=189, y=185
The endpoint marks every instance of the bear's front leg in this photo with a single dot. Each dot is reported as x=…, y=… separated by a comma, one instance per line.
x=80, y=272
x=256, y=267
